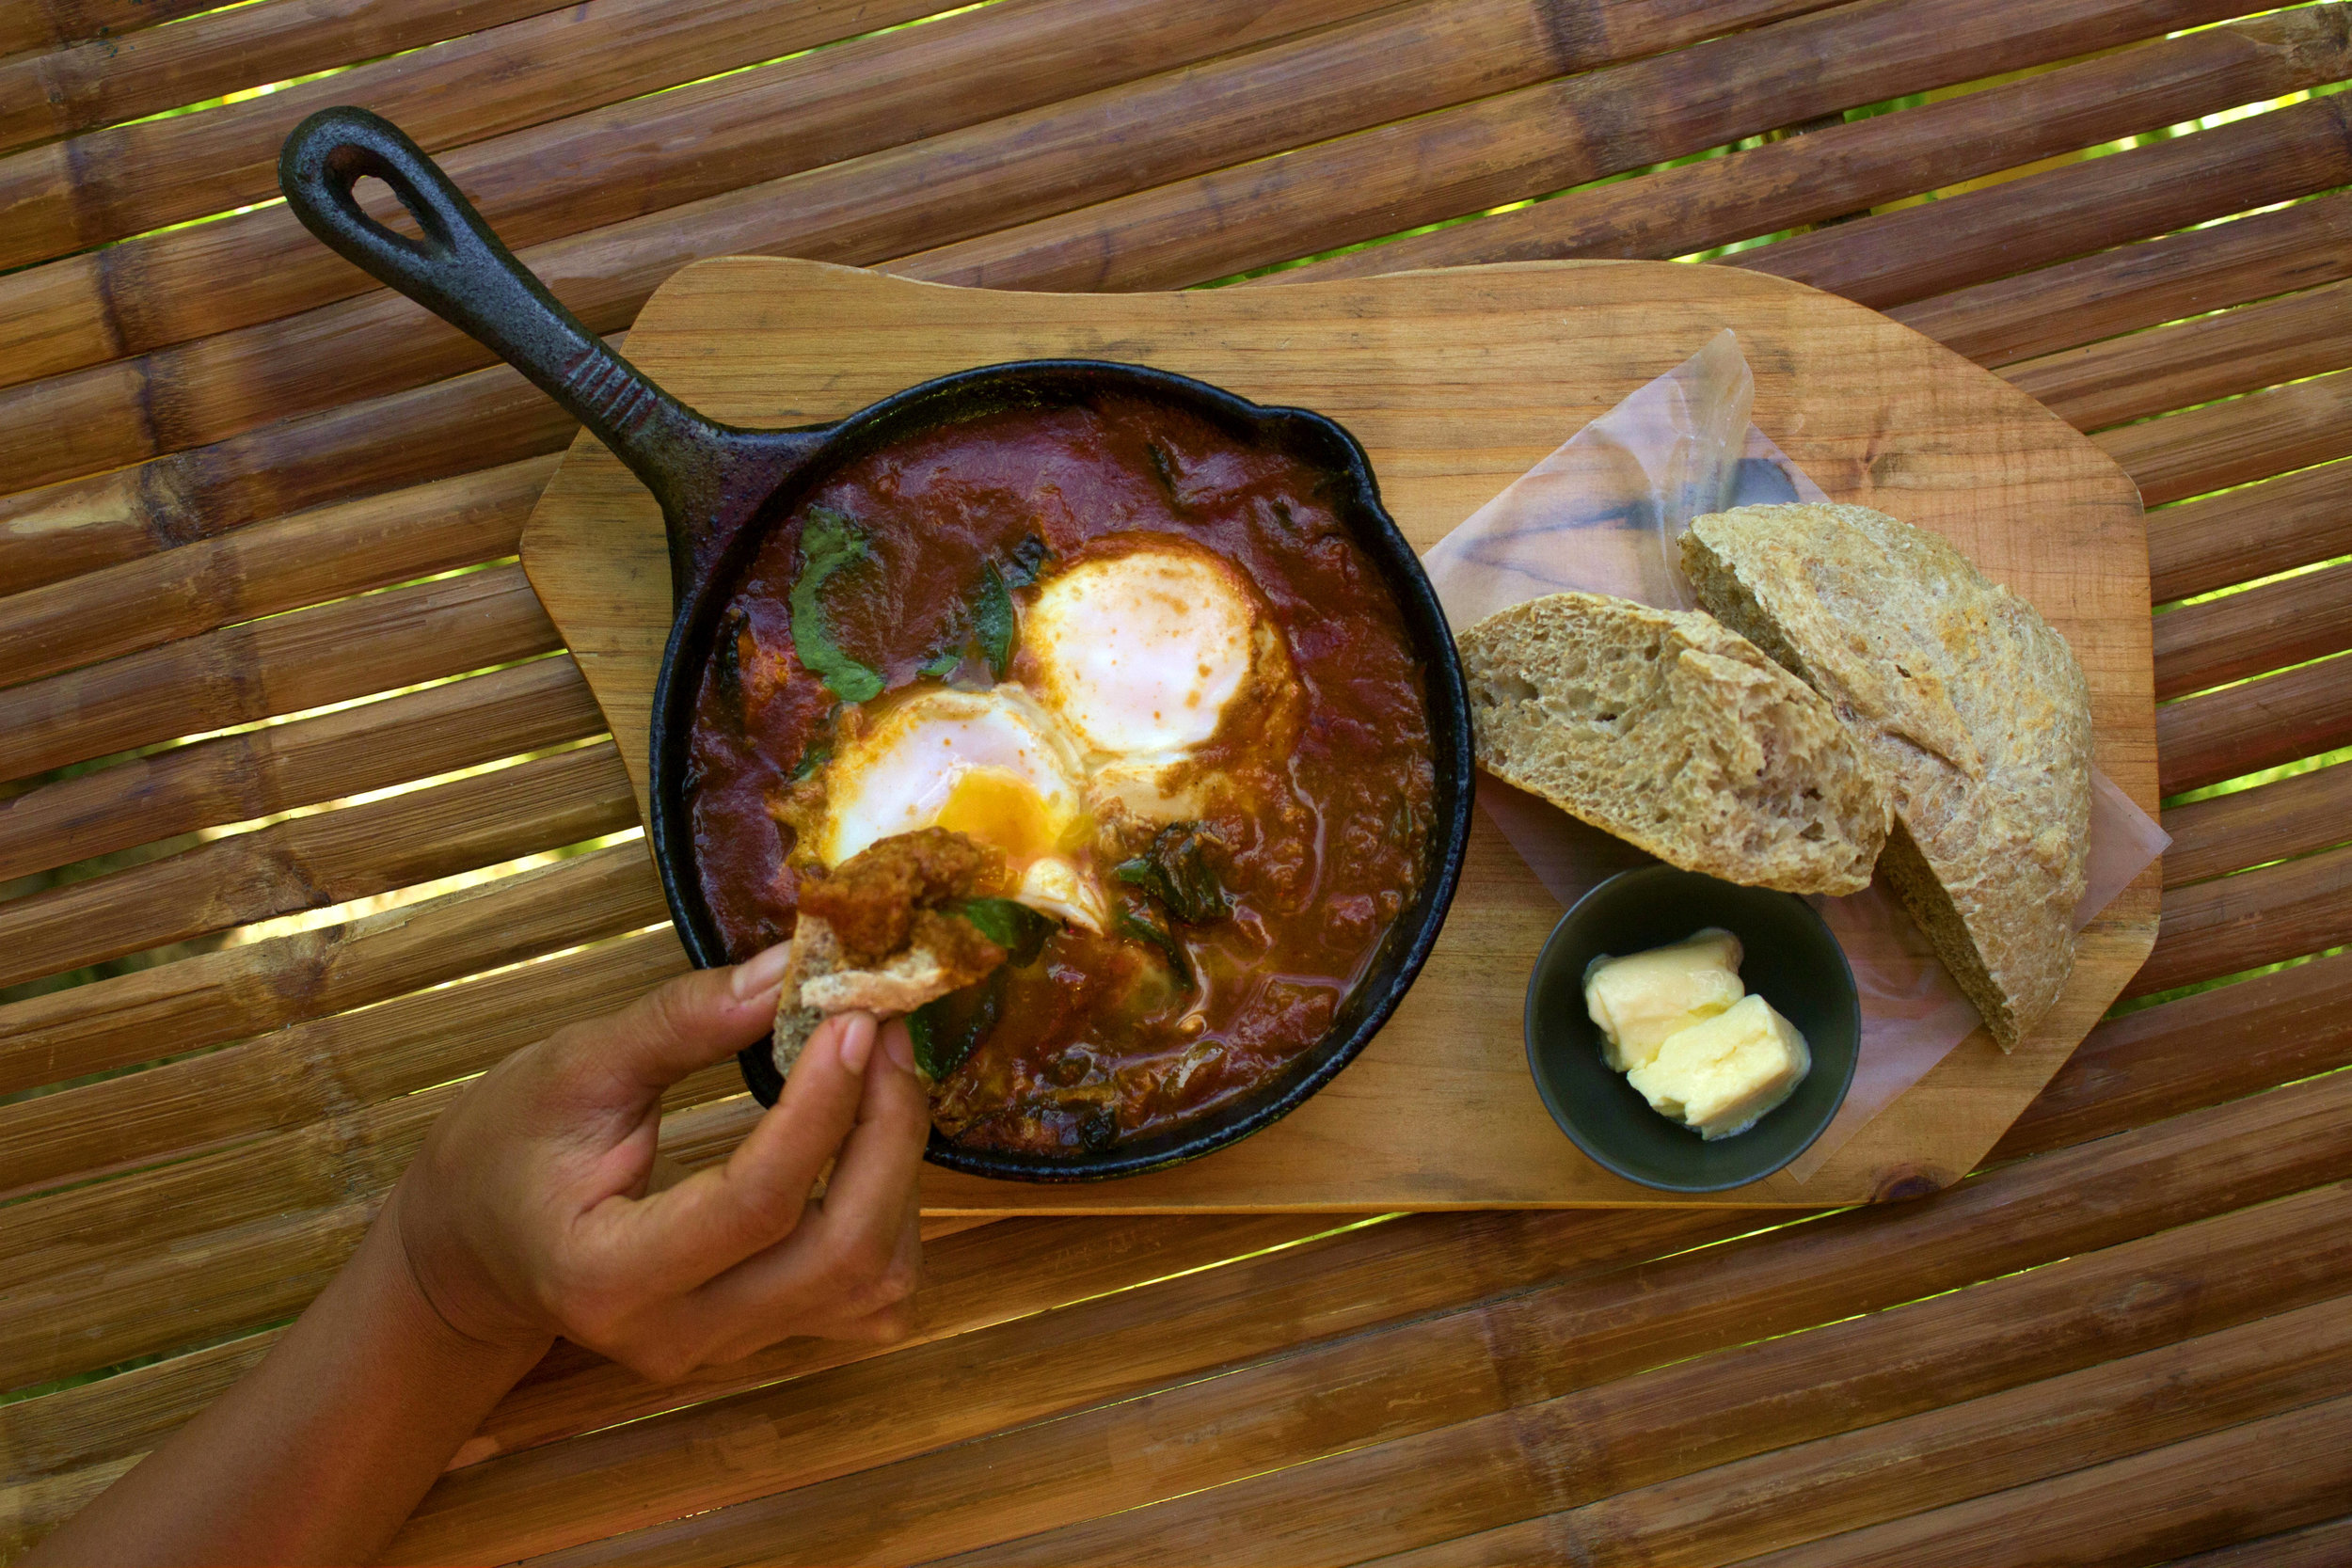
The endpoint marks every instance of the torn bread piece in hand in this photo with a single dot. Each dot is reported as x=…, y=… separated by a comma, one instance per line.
x=880, y=933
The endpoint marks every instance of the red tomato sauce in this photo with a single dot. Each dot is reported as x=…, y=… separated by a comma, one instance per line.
x=1099, y=1040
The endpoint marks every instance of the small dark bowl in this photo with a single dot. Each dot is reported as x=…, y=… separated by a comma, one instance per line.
x=1790, y=959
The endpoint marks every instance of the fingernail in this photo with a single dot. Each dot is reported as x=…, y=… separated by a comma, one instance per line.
x=761, y=972
x=901, y=1048
x=857, y=1041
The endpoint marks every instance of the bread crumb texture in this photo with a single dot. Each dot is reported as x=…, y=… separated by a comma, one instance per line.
x=1971, y=706
x=1677, y=735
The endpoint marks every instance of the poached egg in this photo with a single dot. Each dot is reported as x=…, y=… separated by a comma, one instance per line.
x=1132, y=663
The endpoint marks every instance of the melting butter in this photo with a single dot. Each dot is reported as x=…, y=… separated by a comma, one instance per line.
x=1721, y=1074
x=1642, y=998
x=1679, y=1024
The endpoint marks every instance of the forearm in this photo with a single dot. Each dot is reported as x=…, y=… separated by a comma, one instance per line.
x=321, y=1452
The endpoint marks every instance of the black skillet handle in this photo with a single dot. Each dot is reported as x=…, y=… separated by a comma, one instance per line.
x=708, y=477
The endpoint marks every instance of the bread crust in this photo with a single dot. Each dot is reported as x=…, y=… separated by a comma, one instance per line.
x=819, y=982
x=1677, y=735
x=1971, y=706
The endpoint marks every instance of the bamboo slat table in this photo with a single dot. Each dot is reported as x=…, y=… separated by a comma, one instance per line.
x=311, y=817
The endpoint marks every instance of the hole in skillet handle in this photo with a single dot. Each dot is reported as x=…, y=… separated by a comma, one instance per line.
x=1315, y=441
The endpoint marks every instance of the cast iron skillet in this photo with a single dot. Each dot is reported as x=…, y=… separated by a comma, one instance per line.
x=722, y=488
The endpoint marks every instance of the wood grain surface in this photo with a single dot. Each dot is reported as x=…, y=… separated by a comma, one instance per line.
x=1456, y=382
x=2118, y=1339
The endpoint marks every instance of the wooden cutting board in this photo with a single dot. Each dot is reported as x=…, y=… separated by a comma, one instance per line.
x=1456, y=382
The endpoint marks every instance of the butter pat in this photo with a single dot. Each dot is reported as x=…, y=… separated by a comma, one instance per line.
x=1722, y=1073
x=1640, y=999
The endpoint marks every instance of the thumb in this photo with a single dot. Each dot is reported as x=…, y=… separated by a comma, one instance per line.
x=680, y=1027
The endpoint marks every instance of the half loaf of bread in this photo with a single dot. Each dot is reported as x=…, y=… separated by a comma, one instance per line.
x=1678, y=736
x=1973, y=709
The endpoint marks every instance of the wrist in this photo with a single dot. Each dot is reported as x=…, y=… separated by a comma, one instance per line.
x=412, y=1291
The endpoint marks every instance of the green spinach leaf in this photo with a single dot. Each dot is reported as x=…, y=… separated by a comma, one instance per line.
x=829, y=540
x=818, y=751
x=1150, y=933
x=1175, y=872
x=949, y=1029
x=993, y=621
x=1017, y=929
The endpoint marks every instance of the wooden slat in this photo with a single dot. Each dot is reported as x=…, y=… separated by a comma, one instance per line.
x=30, y=1509
x=117, y=1417
x=2262, y=723
x=1371, y=1444
x=222, y=996
x=254, y=773
x=2202, y=1050
x=2286, y=1470
x=268, y=568
x=457, y=426
x=1839, y=168
x=846, y=1418
x=1020, y=1268
x=2176, y=367
x=322, y=859
x=312, y=658
x=174, y=1297
x=2249, y=827
x=2142, y=285
x=318, y=1141
x=2278, y=624
x=2110, y=1413
x=113, y=78
x=1649, y=1315
x=210, y=1301
x=2321, y=1545
x=2231, y=443
x=2252, y=532
x=1538, y=140
x=2259, y=917
x=43, y=1505
x=26, y=24
x=1903, y=256
x=105, y=184
x=860, y=210
x=632, y=158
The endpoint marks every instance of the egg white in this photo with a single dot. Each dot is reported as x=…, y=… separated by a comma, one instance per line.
x=1140, y=653
x=1142, y=656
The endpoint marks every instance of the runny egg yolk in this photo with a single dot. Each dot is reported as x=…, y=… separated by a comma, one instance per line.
x=1139, y=654
x=991, y=765
x=994, y=805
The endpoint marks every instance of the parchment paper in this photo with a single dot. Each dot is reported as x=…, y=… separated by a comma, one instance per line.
x=1604, y=514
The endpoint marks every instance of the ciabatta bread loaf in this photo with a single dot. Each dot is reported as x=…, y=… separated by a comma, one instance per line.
x=1678, y=736
x=1973, y=709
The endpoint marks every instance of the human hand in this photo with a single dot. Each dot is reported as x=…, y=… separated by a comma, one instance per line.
x=531, y=1210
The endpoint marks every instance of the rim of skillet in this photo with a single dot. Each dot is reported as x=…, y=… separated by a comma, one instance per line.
x=1302, y=434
